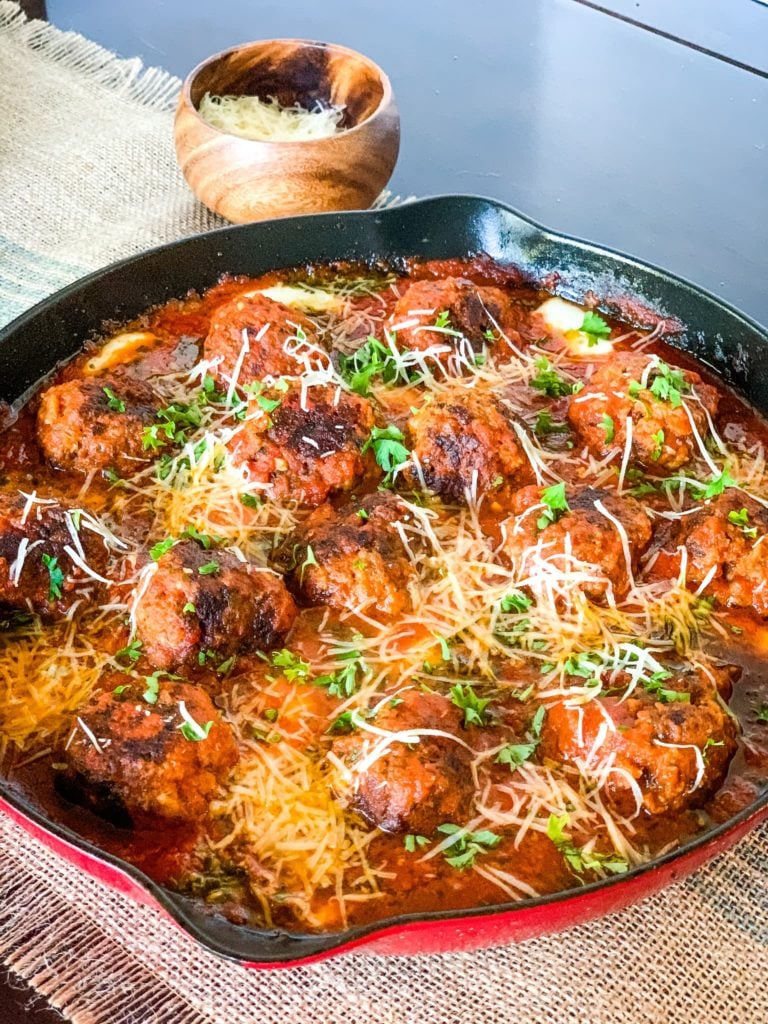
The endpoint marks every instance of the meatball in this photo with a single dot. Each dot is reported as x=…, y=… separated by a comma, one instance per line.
x=306, y=450
x=479, y=313
x=662, y=402
x=676, y=752
x=583, y=533
x=96, y=423
x=202, y=600
x=411, y=787
x=36, y=570
x=274, y=335
x=464, y=444
x=725, y=544
x=128, y=757
x=358, y=559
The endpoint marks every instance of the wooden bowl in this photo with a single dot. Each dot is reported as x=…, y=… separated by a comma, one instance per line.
x=246, y=180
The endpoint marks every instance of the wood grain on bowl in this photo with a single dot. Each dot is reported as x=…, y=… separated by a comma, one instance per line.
x=246, y=180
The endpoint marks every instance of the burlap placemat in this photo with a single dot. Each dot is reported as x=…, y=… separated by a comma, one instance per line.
x=88, y=176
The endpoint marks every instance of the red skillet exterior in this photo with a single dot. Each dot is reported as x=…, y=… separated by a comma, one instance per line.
x=446, y=934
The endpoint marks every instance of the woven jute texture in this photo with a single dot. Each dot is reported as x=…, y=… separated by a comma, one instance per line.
x=88, y=176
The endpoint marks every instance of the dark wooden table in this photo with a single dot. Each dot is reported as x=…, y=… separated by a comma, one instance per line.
x=641, y=124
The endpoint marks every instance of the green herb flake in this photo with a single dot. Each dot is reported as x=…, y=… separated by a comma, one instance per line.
x=594, y=327
x=250, y=501
x=292, y=665
x=716, y=487
x=741, y=519
x=474, y=707
x=549, y=381
x=157, y=551
x=55, y=577
x=545, y=425
x=194, y=732
x=668, y=384
x=389, y=450
x=309, y=560
x=554, y=500
x=515, y=601
x=762, y=713
x=131, y=652
x=658, y=440
x=577, y=859
x=189, y=609
x=209, y=568
x=466, y=847
x=113, y=402
x=606, y=422
x=413, y=842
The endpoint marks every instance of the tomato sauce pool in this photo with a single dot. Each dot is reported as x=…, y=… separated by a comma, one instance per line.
x=344, y=593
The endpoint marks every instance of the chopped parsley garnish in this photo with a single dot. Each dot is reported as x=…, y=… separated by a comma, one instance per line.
x=343, y=682
x=716, y=487
x=113, y=402
x=189, y=608
x=606, y=422
x=515, y=754
x=653, y=685
x=309, y=560
x=362, y=514
x=55, y=576
x=658, y=440
x=176, y=420
x=192, y=730
x=292, y=665
x=515, y=601
x=668, y=384
x=467, y=846
x=209, y=568
x=577, y=858
x=131, y=652
x=157, y=551
x=250, y=501
x=121, y=689
x=191, y=533
x=549, y=380
x=474, y=707
x=113, y=478
x=152, y=687
x=271, y=714
x=762, y=713
x=546, y=425
x=594, y=327
x=741, y=518
x=412, y=842
x=489, y=335
x=443, y=321
x=554, y=500
x=389, y=450
x=373, y=359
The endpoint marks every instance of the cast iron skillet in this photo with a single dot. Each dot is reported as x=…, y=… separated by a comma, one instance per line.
x=447, y=226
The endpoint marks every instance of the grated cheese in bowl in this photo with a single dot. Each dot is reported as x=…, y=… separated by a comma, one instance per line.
x=251, y=117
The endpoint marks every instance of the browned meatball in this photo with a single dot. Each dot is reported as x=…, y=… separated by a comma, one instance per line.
x=96, y=423
x=464, y=444
x=306, y=452
x=358, y=559
x=662, y=434
x=274, y=335
x=127, y=756
x=676, y=752
x=726, y=543
x=411, y=787
x=583, y=530
x=479, y=313
x=208, y=600
x=35, y=570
